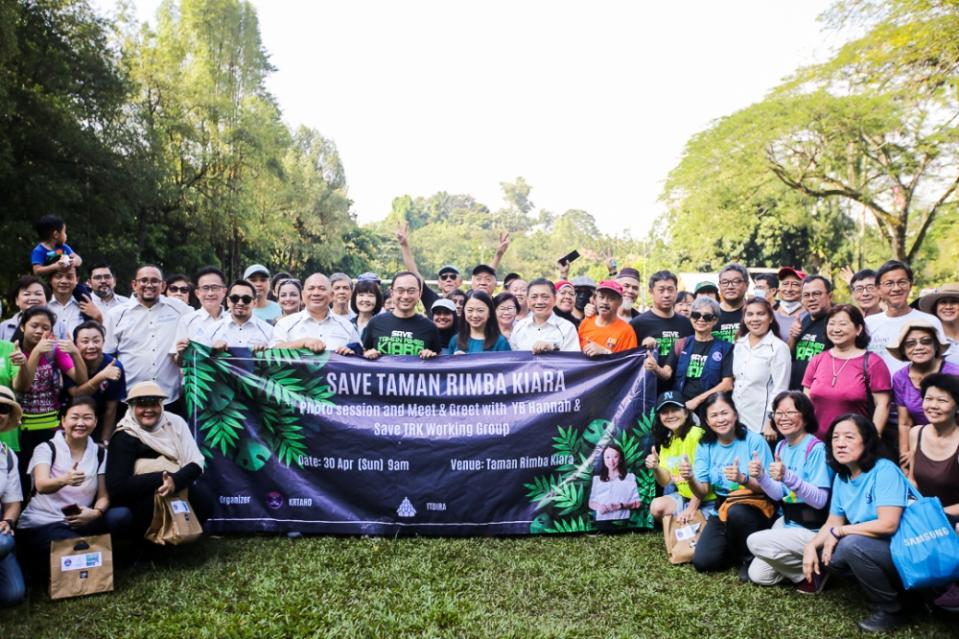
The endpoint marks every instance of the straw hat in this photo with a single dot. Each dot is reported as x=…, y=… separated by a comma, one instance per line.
x=927, y=303
x=7, y=397
x=895, y=347
x=146, y=389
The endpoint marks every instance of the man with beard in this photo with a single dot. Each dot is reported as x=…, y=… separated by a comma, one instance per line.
x=102, y=282
x=315, y=327
x=628, y=278
x=402, y=331
x=606, y=332
x=807, y=336
x=659, y=328
x=790, y=305
x=142, y=333
x=444, y=317
x=733, y=284
x=64, y=302
x=241, y=328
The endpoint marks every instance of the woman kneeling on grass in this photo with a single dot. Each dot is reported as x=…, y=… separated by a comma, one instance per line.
x=152, y=452
x=868, y=497
x=722, y=465
x=676, y=439
x=71, y=496
x=799, y=480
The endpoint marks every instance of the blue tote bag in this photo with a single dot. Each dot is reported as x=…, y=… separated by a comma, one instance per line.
x=925, y=548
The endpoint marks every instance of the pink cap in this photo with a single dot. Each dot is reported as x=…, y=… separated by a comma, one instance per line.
x=611, y=285
x=561, y=283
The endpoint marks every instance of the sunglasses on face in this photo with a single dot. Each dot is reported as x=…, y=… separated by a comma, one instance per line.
x=447, y=276
x=178, y=289
x=145, y=401
x=706, y=317
x=237, y=299
x=912, y=343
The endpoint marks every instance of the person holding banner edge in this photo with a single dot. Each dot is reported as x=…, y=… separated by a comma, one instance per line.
x=402, y=331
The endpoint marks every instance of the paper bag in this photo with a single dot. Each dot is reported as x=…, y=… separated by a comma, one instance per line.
x=81, y=566
x=174, y=521
x=681, y=539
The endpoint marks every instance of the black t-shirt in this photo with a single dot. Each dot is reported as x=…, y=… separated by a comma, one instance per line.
x=811, y=342
x=665, y=330
x=428, y=297
x=392, y=335
x=697, y=364
x=569, y=317
x=728, y=325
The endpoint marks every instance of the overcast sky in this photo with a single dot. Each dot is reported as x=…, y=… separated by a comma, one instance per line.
x=591, y=102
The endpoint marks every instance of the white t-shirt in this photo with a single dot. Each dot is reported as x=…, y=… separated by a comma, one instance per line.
x=47, y=509
x=9, y=477
x=614, y=491
x=884, y=330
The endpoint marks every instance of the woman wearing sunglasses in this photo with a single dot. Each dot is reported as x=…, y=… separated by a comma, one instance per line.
x=152, y=452
x=702, y=365
x=180, y=287
x=920, y=345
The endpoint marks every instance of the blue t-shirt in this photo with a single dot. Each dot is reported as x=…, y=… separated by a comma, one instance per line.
x=268, y=313
x=811, y=468
x=45, y=256
x=109, y=390
x=857, y=499
x=476, y=345
x=711, y=459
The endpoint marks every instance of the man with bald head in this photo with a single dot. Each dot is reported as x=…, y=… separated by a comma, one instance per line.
x=315, y=327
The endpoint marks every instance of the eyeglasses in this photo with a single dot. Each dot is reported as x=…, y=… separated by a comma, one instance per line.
x=448, y=276
x=865, y=288
x=780, y=414
x=503, y=310
x=706, y=317
x=237, y=299
x=406, y=291
x=790, y=284
x=889, y=285
x=912, y=343
x=813, y=295
x=5, y=409
x=210, y=288
x=735, y=282
x=179, y=289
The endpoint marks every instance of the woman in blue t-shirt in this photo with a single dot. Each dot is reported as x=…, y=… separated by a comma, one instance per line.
x=799, y=481
x=478, y=330
x=868, y=497
x=722, y=467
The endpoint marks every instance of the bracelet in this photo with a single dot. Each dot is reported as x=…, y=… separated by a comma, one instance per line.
x=834, y=532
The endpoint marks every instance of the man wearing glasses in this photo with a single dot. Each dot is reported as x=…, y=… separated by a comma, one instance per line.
x=807, y=336
x=789, y=307
x=142, y=333
x=102, y=283
x=733, y=284
x=198, y=325
x=865, y=292
x=316, y=327
x=402, y=331
x=894, y=280
x=240, y=328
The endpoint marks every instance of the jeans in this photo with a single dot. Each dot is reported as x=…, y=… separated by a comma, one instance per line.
x=723, y=544
x=12, y=589
x=870, y=562
x=36, y=541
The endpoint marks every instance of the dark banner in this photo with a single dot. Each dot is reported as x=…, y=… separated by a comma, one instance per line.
x=491, y=443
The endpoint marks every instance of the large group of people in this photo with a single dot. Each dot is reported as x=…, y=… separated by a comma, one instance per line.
x=792, y=423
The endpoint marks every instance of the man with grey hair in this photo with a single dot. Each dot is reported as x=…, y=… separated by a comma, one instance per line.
x=342, y=287
x=316, y=327
x=733, y=284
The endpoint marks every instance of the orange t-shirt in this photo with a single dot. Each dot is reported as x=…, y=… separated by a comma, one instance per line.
x=618, y=336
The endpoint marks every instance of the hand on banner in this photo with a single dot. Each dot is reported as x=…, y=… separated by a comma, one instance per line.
x=315, y=345
x=592, y=349
x=219, y=345
x=371, y=354
x=427, y=354
x=181, y=345
x=543, y=347
x=685, y=468
x=259, y=347
x=345, y=351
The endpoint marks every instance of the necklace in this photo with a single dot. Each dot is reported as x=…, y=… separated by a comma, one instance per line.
x=835, y=373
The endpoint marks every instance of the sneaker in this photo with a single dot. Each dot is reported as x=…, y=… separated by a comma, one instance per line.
x=882, y=622
x=814, y=587
x=949, y=600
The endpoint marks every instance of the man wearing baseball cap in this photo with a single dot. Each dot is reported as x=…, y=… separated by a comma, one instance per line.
x=790, y=305
x=628, y=278
x=606, y=332
x=264, y=308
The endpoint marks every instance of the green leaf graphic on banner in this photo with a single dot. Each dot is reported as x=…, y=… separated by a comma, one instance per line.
x=562, y=496
x=253, y=455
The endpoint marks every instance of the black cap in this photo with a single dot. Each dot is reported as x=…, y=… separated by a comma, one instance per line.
x=449, y=268
x=510, y=277
x=484, y=268
x=669, y=397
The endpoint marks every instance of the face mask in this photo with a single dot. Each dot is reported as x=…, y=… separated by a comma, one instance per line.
x=789, y=307
x=582, y=298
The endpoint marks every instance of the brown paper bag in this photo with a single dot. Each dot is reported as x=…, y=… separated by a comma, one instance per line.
x=174, y=521
x=681, y=539
x=81, y=566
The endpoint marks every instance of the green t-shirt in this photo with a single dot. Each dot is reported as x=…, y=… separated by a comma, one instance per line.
x=7, y=374
x=670, y=457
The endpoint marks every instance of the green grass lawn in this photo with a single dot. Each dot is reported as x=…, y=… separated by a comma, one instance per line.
x=596, y=586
